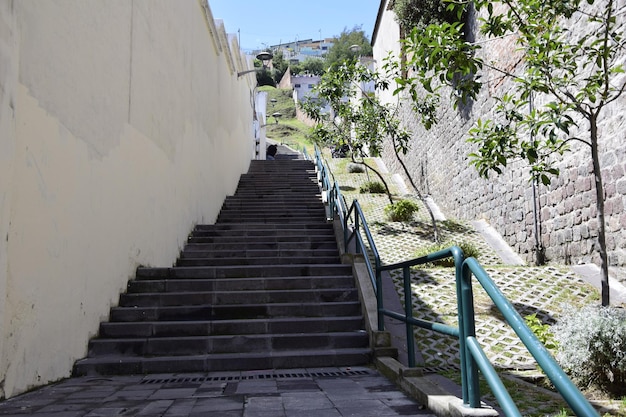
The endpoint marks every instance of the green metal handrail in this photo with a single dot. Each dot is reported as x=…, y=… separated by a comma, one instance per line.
x=472, y=356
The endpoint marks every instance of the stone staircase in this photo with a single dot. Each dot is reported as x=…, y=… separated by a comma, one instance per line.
x=263, y=288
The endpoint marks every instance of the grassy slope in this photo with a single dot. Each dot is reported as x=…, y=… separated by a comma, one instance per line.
x=288, y=130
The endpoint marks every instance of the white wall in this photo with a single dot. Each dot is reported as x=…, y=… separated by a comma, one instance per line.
x=387, y=40
x=122, y=124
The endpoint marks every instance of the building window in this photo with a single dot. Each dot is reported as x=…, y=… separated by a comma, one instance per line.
x=311, y=86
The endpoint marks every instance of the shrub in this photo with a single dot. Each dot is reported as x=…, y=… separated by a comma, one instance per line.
x=592, y=346
x=421, y=13
x=401, y=211
x=373, y=187
x=541, y=330
x=469, y=250
x=355, y=168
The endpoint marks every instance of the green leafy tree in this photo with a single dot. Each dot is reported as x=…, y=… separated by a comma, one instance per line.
x=421, y=13
x=279, y=65
x=358, y=119
x=567, y=82
x=311, y=65
x=343, y=47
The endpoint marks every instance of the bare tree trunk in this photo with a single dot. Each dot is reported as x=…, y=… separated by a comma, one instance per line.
x=378, y=174
x=604, y=262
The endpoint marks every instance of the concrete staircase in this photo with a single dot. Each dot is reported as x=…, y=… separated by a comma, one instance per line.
x=263, y=288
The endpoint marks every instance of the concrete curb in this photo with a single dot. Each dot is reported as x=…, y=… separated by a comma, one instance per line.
x=429, y=391
x=426, y=389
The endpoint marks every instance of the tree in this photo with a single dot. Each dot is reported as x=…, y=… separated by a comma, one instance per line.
x=279, y=66
x=421, y=13
x=566, y=81
x=342, y=50
x=311, y=65
x=358, y=119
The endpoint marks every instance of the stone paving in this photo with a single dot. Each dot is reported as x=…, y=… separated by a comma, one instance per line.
x=323, y=392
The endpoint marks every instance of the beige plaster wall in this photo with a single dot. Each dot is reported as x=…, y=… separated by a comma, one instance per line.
x=387, y=41
x=122, y=124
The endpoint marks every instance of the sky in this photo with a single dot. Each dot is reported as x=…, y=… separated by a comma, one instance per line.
x=261, y=23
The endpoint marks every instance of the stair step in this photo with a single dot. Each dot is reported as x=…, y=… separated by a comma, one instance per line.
x=241, y=261
x=245, y=271
x=272, y=219
x=231, y=312
x=264, y=226
x=259, y=253
x=309, y=358
x=199, y=345
x=191, y=298
x=233, y=245
x=241, y=284
x=259, y=232
x=229, y=327
x=268, y=211
x=262, y=288
x=263, y=239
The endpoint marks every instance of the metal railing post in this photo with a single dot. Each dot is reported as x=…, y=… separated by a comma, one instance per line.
x=408, y=312
x=379, y=298
x=468, y=330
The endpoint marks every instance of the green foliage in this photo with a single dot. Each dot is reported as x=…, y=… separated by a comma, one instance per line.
x=401, y=211
x=353, y=168
x=541, y=330
x=421, y=13
x=341, y=50
x=563, y=83
x=264, y=78
x=279, y=65
x=372, y=187
x=437, y=57
x=592, y=346
x=571, y=76
x=469, y=250
x=355, y=112
x=311, y=65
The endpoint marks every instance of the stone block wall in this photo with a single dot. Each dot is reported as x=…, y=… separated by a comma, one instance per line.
x=563, y=213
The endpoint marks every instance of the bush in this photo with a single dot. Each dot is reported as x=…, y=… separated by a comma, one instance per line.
x=401, y=211
x=373, y=187
x=541, y=330
x=469, y=251
x=355, y=168
x=592, y=347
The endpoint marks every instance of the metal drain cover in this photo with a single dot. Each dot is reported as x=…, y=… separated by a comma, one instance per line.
x=255, y=376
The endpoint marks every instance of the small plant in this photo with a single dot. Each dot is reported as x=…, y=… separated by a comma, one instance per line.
x=401, y=211
x=355, y=168
x=541, y=330
x=469, y=251
x=592, y=347
x=373, y=187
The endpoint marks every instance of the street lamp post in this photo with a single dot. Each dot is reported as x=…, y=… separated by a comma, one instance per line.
x=264, y=57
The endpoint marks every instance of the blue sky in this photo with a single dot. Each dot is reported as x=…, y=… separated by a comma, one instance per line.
x=270, y=22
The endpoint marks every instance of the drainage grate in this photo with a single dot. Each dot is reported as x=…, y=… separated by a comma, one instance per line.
x=255, y=376
x=439, y=369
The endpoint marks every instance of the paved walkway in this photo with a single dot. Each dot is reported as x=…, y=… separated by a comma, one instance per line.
x=325, y=392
